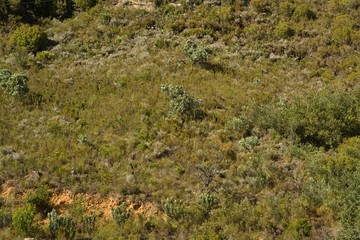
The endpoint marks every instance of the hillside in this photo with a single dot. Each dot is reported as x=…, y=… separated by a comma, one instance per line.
x=180, y=119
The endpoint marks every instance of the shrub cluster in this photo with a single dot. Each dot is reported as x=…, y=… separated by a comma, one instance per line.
x=30, y=38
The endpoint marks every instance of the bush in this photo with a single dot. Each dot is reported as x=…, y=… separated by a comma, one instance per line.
x=173, y=208
x=181, y=102
x=286, y=9
x=197, y=53
x=14, y=85
x=249, y=142
x=41, y=200
x=321, y=119
x=120, y=214
x=30, y=38
x=207, y=202
x=68, y=225
x=303, y=11
x=23, y=221
x=283, y=30
x=54, y=224
x=341, y=30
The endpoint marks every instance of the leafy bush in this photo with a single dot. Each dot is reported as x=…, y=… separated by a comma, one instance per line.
x=181, y=102
x=40, y=200
x=341, y=30
x=321, y=119
x=54, y=224
x=207, y=202
x=300, y=228
x=120, y=214
x=68, y=225
x=283, y=30
x=14, y=85
x=30, y=38
x=197, y=53
x=23, y=221
x=303, y=11
x=286, y=9
x=249, y=142
x=173, y=208
x=89, y=223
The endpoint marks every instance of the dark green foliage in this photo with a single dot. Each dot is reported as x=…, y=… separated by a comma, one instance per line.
x=40, y=199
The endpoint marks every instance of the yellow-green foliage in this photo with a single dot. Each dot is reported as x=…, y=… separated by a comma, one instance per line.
x=304, y=12
x=283, y=30
x=342, y=29
x=31, y=38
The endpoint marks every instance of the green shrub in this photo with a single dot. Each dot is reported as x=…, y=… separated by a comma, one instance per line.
x=40, y=199
x=303, y=11
x=14, y=85
x=286, y=9
x=173, y=208
x=120, y=214
x=321, y=119
x=30, y=38
x=89, y=224
x=300, y=228
x=181, y=103
x=54, y=224
x=23, y=221
x=207, y=202
x=68, y=225
x=249, y=142
x=197, y=53
x=341, y=30
x=283, y=30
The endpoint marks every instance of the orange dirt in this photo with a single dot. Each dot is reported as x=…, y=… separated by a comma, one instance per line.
x=62, y=200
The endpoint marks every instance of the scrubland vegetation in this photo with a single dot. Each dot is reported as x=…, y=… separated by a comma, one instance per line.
x=234, y=119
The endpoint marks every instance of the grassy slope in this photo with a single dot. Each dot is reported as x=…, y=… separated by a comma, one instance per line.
x=104, y=83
